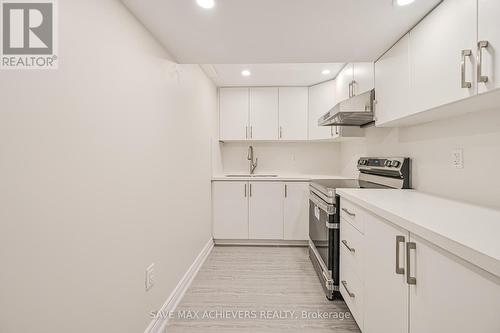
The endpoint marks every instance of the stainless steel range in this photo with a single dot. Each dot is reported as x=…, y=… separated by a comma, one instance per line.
x=324, y=217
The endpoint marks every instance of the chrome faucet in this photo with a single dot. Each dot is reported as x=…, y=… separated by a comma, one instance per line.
x=253, y=164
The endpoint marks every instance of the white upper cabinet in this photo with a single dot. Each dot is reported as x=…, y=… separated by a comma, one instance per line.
x=489, y=31
x=263, y=114
x=296, y=211
x=392, y=83
x=363, y=77
x=343, y=83
x=265, y=210
x=321, y=100
x=354, y=79
x=293, y=104
x=233, y=113
x=442, y=55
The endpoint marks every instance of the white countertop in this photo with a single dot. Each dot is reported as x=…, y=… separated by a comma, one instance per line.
x=468, y=231
x=279, y=178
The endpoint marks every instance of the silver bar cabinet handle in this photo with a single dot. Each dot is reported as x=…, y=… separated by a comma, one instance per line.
x=245, y=190
x=344, y=283
x=250, y=189
x=348, y=212
x=281, y=132
x=348, y=247
x=399, y=240
x=353, y=83
x=286, y=190
x=251, y=132
x=410, y=279
x=246, y=132
x=465, y=84
x=480, y=46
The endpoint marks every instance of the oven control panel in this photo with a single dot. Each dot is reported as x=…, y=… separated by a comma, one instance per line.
x=396, y=167
x=391, y=163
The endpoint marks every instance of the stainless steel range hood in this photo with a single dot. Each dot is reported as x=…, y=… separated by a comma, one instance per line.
x=355, y=111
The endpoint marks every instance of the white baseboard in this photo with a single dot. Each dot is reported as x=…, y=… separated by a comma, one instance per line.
x=158, y=325
x=260, y=242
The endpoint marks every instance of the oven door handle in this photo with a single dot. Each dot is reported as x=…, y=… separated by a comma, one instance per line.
x=329, y=209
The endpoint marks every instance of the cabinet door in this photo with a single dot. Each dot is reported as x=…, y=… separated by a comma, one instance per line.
x=386, y=291
x=363, y=73
x=489, y=30
x=263, y=114
x=230, y=210
x=436, y=46
x=293, y=113
x=233, y=113
x=450, y=295
x=392, y=83
x=266, y=210
x=296, y=211
x=321, y=100
x=342, y=81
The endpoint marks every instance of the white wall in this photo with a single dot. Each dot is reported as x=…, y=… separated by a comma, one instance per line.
x=430, y=146
x=97, y=159
x=314, y=158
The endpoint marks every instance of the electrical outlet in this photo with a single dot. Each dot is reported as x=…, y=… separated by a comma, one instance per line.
x=457, y=156
x=150, y=277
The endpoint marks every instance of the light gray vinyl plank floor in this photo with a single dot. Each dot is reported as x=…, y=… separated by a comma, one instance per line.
x=258, y=289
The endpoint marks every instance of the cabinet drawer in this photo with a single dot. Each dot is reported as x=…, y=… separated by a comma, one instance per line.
x=352, y=213
x=352, y=248
x=351, y=289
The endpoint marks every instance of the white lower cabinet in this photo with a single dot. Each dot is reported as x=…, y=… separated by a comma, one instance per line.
x=352, y=249
x=260, y=210
x=450, y=295
x=296, y=211
x=408, y=284
x=386, y=290
x=230, y=210
x=352, y=290
x=265, y=210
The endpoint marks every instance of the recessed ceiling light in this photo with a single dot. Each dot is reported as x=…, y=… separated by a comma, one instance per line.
x=246, y=72
x=403, y=2
x=325, y=71
x=207, y=4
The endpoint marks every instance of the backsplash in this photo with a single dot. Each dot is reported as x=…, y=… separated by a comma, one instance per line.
x=430, y=146
x=321, y=158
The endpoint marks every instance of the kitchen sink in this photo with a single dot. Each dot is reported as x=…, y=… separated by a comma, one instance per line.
x=252, y=176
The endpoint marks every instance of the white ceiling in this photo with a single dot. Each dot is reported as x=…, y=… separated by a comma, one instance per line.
x=271, y=74
x=277, y=31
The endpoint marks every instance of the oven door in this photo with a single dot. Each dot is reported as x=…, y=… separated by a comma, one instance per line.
x=320, y=226
x=323, y=234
